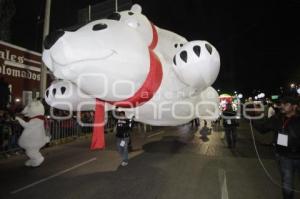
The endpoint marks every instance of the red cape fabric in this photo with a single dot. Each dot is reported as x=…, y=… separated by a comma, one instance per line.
x=98, y=139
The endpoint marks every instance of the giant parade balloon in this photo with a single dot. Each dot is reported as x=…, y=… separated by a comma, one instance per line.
x=126, y=61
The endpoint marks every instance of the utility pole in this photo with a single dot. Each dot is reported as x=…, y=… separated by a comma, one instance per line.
x=43, y=82
x=116, y=5
x=90, y=10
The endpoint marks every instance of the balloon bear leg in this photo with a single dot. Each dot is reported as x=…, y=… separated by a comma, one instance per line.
x=197, y=64
x=35, y=158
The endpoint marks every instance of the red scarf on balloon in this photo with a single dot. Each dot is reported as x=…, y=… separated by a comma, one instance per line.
x=144, y=94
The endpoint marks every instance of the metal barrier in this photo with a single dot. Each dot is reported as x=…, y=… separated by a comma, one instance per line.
x=61, y=131
x=10, y=131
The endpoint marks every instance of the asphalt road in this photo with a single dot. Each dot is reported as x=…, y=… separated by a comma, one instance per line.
x=167, y=163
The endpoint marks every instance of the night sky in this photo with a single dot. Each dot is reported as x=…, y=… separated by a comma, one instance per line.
x=258, y=40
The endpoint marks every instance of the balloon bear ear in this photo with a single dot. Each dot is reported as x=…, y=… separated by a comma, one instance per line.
x=136, y=8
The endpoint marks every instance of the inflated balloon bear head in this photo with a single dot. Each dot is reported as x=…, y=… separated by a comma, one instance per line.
x=33, y=109
x=96, y=57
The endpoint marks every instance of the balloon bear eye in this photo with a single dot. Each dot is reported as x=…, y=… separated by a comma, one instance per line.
x=99, y=26
x=130, y=13
x=181, y=45
x=176, y=45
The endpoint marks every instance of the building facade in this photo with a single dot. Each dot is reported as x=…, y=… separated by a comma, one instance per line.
x=20, y=68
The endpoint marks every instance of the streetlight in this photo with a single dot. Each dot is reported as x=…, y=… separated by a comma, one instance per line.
x=261, y=95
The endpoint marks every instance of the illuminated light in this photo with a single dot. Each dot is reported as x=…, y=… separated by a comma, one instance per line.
x=261, y=95
x=298, y=91
x=293, y=85
x=17, y=100
x=240, y=96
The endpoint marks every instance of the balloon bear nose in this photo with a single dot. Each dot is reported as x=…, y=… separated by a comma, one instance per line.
x=52, y=38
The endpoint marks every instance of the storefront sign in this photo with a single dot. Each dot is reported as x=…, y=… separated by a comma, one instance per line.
x=19, y=62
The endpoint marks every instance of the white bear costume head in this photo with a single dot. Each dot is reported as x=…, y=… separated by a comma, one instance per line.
x=33, y=109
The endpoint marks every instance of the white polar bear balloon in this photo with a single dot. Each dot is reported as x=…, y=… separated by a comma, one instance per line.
x=128, y=62
x=33, y=137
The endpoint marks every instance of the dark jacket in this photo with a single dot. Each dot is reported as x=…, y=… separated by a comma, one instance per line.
x=229, y=119
x=123, y=128
x=275, y=124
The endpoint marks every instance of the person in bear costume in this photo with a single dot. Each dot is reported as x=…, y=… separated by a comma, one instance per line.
x=33, y=137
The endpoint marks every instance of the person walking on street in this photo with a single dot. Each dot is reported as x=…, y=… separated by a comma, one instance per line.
x=286, y=142
x=123, y=136
x=131, y=125
x=204, y=132
x=230, y=124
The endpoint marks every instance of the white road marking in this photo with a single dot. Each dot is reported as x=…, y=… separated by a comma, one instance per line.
x=223, y=184
x=52, y=176
x=155, y=134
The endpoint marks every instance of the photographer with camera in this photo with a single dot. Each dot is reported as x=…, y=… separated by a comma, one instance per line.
x=286, y=128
